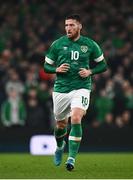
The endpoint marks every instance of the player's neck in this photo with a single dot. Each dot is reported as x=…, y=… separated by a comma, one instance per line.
x=75, y=38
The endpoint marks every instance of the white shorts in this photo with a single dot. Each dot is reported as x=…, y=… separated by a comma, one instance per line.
x=64, y=102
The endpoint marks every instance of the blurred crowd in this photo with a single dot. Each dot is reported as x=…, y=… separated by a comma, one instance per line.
x=28, y=27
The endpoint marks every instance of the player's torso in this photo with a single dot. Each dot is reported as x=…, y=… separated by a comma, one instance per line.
x=77, y=55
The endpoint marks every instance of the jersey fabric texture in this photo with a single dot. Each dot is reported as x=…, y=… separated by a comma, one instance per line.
x=77, y=54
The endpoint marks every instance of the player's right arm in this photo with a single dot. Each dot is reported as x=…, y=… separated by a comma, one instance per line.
x=49, y=65
x=48, y=68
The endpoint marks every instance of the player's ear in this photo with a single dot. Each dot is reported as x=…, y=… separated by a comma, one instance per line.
x=80, y=26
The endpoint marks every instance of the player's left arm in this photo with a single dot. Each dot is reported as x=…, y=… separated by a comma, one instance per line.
x=101, y=65
x=98, y=57
x=99, y=68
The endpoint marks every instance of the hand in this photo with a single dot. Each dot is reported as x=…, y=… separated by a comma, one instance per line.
x=63, y=68
x=84, y=72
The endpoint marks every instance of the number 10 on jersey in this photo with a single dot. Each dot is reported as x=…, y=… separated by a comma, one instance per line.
x=74, y=55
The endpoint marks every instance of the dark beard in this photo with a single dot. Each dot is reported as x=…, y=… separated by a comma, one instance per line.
x=74, y=37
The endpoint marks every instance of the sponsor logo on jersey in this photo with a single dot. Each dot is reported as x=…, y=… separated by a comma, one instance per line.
x=65, y=47
x=84, y=49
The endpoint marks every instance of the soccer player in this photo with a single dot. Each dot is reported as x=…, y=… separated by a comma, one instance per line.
x=69, y=57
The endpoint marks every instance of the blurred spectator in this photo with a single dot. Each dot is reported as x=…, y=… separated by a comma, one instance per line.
x=104, y=106
x=126, y=118
x=43, y=92
x=118, y=121
x=14, y=82
x=109, y=121
x=128, y=91
x=45, y=76
x=30, y=82
x=13, y=111
x=36, y=115
x=5, y=63
x=119, y=94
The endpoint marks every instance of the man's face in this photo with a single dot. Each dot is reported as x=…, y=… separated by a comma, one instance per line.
x=72, y=28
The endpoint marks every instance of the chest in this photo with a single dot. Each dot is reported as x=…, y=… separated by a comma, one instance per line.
x=74, y=53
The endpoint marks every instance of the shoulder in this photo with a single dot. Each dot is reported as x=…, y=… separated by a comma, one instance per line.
x=87, y=39
x=93, y=44
x=58, y=41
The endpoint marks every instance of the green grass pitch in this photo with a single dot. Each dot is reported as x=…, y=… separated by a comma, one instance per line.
x=88, y=166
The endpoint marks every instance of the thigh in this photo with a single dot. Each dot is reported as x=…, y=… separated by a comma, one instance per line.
x=81, y=99
x=61, y=105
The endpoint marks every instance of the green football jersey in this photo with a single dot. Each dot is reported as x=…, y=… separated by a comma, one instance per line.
x=77, y=54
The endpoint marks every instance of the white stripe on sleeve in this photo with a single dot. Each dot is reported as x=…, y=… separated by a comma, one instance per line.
x=48, y=60
x=100, y=58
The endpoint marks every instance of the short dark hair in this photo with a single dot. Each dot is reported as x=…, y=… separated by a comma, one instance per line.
x=74, y=16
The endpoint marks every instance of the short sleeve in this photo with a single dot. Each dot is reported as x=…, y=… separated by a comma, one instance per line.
x=97, y=54
x=51, y=55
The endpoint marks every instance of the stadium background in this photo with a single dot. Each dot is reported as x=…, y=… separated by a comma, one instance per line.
x=27, y=28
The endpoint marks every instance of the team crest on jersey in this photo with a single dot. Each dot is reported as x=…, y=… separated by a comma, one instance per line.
x=84, y=49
